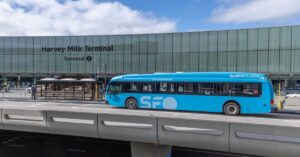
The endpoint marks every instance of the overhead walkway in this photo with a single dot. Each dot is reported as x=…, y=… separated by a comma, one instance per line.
x=156, y=131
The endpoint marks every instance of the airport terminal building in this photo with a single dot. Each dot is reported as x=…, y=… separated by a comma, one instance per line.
x=274, y=51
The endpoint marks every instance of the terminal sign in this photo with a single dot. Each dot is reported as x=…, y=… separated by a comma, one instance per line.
x=78, y=48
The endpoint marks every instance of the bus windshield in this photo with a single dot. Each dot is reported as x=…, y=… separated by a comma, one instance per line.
x=115, y=88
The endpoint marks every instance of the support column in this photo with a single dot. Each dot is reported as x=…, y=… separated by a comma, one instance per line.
x=34, y=80
x=285, y=83
x=149, y=150
x=19, y=81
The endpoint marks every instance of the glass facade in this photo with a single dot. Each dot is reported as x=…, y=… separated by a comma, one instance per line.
x=268, y=50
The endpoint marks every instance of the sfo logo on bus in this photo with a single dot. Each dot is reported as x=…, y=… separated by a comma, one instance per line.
x=169, y=103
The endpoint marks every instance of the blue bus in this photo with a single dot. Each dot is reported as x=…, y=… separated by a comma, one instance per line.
x=232, y=93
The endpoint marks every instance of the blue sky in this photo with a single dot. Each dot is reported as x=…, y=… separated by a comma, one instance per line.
x=101, y=17
x=193, y=15
x=188, y=14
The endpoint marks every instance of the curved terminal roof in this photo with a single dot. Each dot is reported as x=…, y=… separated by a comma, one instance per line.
x=49, y=79
x=53, y=80
x=68, y=79
x=87, y=80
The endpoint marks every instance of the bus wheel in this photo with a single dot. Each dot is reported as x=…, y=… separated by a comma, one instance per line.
x=231, y=109
x=131, y=104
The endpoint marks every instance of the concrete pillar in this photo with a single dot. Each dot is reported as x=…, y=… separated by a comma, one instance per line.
x=149, y=150
x=285, y=83
x=34, y=80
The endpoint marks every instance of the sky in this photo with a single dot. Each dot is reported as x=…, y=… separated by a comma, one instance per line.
x=103, y=17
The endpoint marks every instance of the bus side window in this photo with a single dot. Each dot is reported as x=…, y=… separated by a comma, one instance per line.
x=196, y=88
x=218, y=90
x=206, y=88
x=171, y=88
x=225, y=89
x=147, y=87
x=189, y=88
x=126, y=87
x=132, y=87
x=118, y=87
x=163, y=87
x=235, y=89
x=251, y=89
x=180, y=88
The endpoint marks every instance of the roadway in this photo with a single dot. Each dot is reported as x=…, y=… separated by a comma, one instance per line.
x=92, y=107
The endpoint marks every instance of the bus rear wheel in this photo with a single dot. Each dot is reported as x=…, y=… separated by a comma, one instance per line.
x=131, y=104
x=231, y=109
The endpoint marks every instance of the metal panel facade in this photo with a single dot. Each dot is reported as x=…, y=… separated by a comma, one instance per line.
x=268, y=50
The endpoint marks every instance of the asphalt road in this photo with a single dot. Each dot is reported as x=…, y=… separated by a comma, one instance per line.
x=291, y=104
x=94, y=107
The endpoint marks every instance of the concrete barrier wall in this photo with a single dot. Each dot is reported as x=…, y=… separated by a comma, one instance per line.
x=194, y=133
x=24, y=120
x=1, y=125
x=128, y=127
x=265, y=140
x=72, y=123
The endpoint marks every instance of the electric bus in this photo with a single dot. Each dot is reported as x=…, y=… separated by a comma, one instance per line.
x=231, y=93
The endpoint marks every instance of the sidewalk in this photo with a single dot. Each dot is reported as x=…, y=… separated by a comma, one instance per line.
x=291, y=105
x=46, y=100
x=21, y=95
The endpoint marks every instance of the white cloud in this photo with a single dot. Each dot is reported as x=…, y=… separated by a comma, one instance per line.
x=241, y=11
x=80, y=17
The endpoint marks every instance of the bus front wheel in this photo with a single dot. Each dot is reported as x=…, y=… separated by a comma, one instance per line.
x=131, y=104
x=231, y=108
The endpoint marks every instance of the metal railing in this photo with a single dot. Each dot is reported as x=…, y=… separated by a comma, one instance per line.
x=15, y=93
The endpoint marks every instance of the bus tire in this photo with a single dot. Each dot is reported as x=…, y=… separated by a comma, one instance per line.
x=231, y=108
x=131, y=103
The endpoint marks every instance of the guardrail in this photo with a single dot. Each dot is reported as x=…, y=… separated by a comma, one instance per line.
x=221, y=135
x=13, y=93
